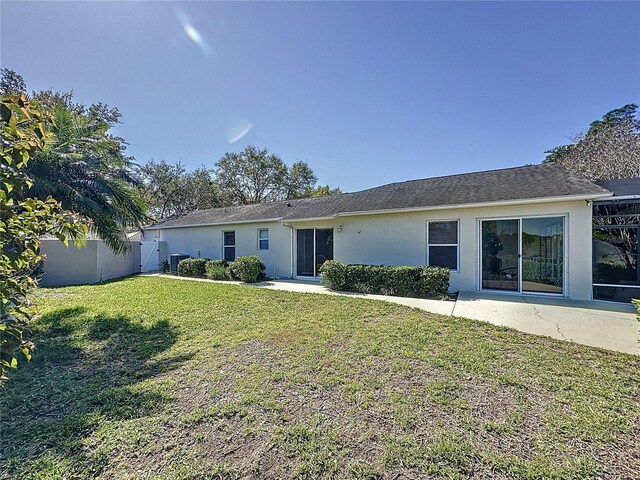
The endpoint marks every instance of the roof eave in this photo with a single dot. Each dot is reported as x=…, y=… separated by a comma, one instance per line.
x=213, y=224
x=565, y=198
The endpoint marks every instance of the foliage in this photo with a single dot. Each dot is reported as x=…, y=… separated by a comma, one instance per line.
x=165, y=267
x=170, y=190
x=333, y=274
x=248, y=269
x=636, y=302
x=299, y=181
x=405, y=281
x=318, y=386
x=255, y=176
x=609, y=149
x=84, y=167
x=49, y=100
x=321, y=191
x=217, y=270
x=193, y=267
x=22, y=222
x=11, y=82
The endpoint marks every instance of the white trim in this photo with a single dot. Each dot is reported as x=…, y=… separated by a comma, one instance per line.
x=267, y=239
x=213, y=224
x=621, y=198
x=616, y=286
x=457, y=245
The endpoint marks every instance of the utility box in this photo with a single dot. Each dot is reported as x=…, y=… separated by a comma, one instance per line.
x=174, y=260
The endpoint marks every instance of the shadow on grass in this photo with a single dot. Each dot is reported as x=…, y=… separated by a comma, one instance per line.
x=87, y=370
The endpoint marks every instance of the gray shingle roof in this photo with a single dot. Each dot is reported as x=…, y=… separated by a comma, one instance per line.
x=510, y=184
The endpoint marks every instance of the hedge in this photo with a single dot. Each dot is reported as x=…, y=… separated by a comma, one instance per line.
x=420, y=282
x=192, y=267
x=217, y=270
x=247, y=269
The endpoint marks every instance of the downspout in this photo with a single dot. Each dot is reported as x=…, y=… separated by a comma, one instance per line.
x=291, y=247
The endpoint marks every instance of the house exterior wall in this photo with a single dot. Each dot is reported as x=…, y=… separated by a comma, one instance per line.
x=206, y=242
x=397, y=239
x=400, y=239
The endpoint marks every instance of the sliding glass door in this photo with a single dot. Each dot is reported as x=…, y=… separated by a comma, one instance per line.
x=543, y=255
x=500, y=254
x=314, y=246
x=523, y=255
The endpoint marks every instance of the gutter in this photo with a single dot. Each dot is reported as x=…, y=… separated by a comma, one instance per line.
x=211, y=224
x=623, y=197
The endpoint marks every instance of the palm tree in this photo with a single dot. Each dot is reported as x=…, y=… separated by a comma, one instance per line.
x=85, y=169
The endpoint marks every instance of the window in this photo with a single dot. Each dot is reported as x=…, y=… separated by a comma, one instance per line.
x=263, y=239
x=442, y=244
x=229, y=246
x=616, y=249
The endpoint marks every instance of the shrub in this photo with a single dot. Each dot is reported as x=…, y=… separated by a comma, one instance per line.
x=165, y=267
x=192, y=267
x=216, y=270
x=421, y=282
x=334, y=274
x=636, y=302
x=247, y=269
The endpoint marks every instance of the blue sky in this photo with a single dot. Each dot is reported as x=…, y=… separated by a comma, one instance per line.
x=367, y=93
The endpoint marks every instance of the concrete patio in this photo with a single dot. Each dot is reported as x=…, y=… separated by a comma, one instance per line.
x=599, y=324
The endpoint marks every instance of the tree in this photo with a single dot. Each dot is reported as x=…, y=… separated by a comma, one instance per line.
x=252, y=176
x=609, y=149
x=170, y=190
x=300, y=180
x=23, y=221
x=255, y=176
x=11, y=82
x=85, y=169
x=83, y=166
x=321, y=191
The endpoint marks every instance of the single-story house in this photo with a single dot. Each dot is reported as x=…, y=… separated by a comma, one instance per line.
x=536, y=229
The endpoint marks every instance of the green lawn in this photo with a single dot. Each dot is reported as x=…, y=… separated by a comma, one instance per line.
x=159, y=378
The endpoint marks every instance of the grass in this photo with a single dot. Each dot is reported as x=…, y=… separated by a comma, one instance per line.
x=157, y=378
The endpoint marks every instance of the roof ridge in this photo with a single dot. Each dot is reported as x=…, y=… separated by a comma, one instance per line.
x=529, y=165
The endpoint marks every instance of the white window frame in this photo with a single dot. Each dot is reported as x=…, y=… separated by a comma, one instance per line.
x=565, y=253
x=267, y=238
x=225, y=246
x=457, y=245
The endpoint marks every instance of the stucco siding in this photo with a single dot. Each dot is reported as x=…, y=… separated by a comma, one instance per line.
x=69, y=265
x=206, y=242
x=114, y=266
x=90, y=264
x=400, y=239
x=397, y=239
